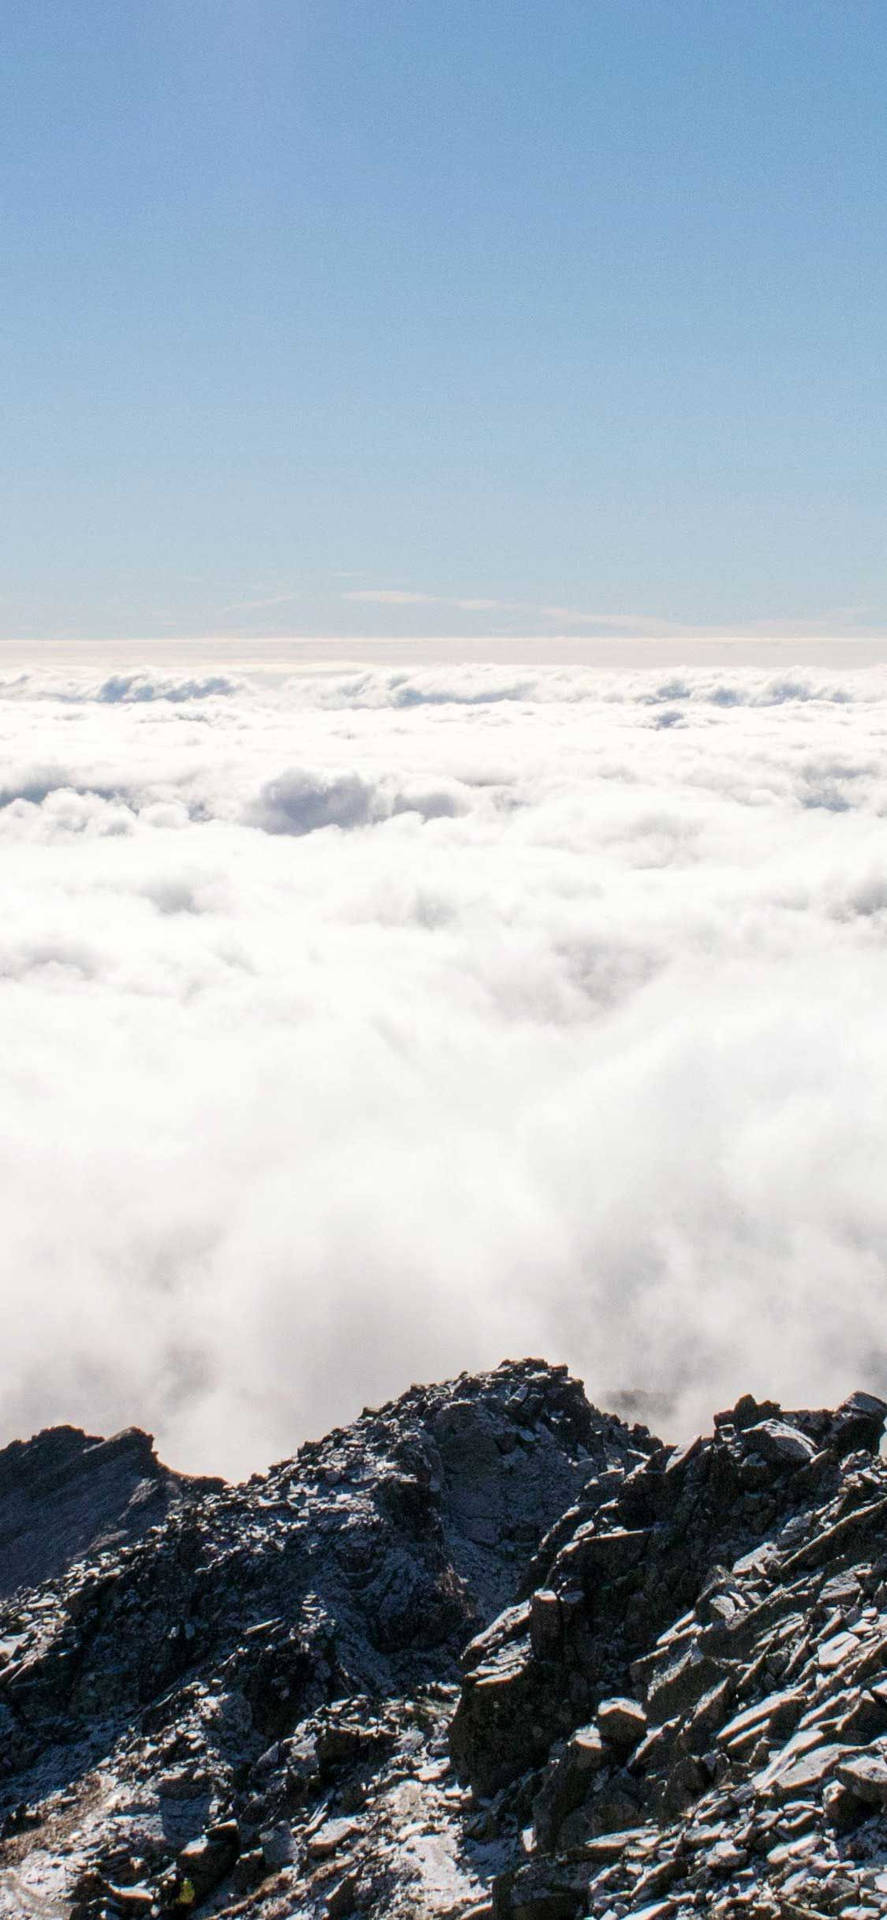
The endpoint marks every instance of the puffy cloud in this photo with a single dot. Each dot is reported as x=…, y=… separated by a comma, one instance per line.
x=148, y=686
x=369, y=1025
x=136, y=686
x=298, y=801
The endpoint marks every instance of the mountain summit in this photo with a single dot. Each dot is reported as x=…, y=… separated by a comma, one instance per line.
x=487, y=1652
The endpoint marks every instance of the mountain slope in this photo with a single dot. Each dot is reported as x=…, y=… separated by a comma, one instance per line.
x=66, y=1494
x=487, y=1652
x=141, y=1688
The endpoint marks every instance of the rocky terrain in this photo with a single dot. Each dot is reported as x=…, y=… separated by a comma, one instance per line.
x=66, y=1494
x=488, y=1654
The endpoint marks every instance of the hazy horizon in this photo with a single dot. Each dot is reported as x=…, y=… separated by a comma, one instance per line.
x=289, y=653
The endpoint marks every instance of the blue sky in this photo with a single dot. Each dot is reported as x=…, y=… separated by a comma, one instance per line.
x=330, y=317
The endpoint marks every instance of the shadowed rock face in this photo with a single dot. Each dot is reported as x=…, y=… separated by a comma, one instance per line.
x=248, y=1699
x=66, y=1494
x=195, y=1628
x=735, y=1591
x=610, y=1578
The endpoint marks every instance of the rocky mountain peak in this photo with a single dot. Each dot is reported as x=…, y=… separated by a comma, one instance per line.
x=489, y=1651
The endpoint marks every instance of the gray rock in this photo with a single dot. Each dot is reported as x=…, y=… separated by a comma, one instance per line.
x=779, y=1444
x=545, y=1889
x=207, y=1861
x=622, y=1722
x=678, y=1687
x=804, y=1774
x=331, y=1838
x=287, y=1654
x=342, y=1898
x=66, y=1494
x=866, y=1776
x=545, y=1622
x=566, y=1783
x=776, y=1715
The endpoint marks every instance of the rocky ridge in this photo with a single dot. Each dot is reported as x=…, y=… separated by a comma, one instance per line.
x=67, y=1493
x=488, y=1654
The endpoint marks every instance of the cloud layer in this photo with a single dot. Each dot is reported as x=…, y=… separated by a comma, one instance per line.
x=372, y=1025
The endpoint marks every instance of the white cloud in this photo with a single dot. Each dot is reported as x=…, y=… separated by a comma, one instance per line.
x=390, y=597
x=375, y=1024
x=299, y=801
x=481, y=606
x=146, y=686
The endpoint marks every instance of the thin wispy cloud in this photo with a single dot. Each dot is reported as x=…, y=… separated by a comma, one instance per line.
x=391, y=597
x=530, y=617
x=265, y=600
x=631, y=623
x=481, y=606
x=528, y=611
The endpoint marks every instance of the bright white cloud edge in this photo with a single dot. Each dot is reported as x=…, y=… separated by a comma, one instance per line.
x=364, y=1027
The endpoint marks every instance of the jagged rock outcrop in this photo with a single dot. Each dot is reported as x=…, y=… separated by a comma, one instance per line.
x=66, y=1494
x=612, y=1576
x=736, y=1591
x=238, y=1623
x=673, y=1698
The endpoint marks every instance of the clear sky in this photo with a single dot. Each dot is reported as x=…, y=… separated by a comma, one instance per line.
x=356, y=317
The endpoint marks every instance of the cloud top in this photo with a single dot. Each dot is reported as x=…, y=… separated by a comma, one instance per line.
x=365, y=1026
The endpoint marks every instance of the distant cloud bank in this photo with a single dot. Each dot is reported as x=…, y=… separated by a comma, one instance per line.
x=370, y=1025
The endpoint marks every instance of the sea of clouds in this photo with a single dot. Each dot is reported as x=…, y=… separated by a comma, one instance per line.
x=361, y=1027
